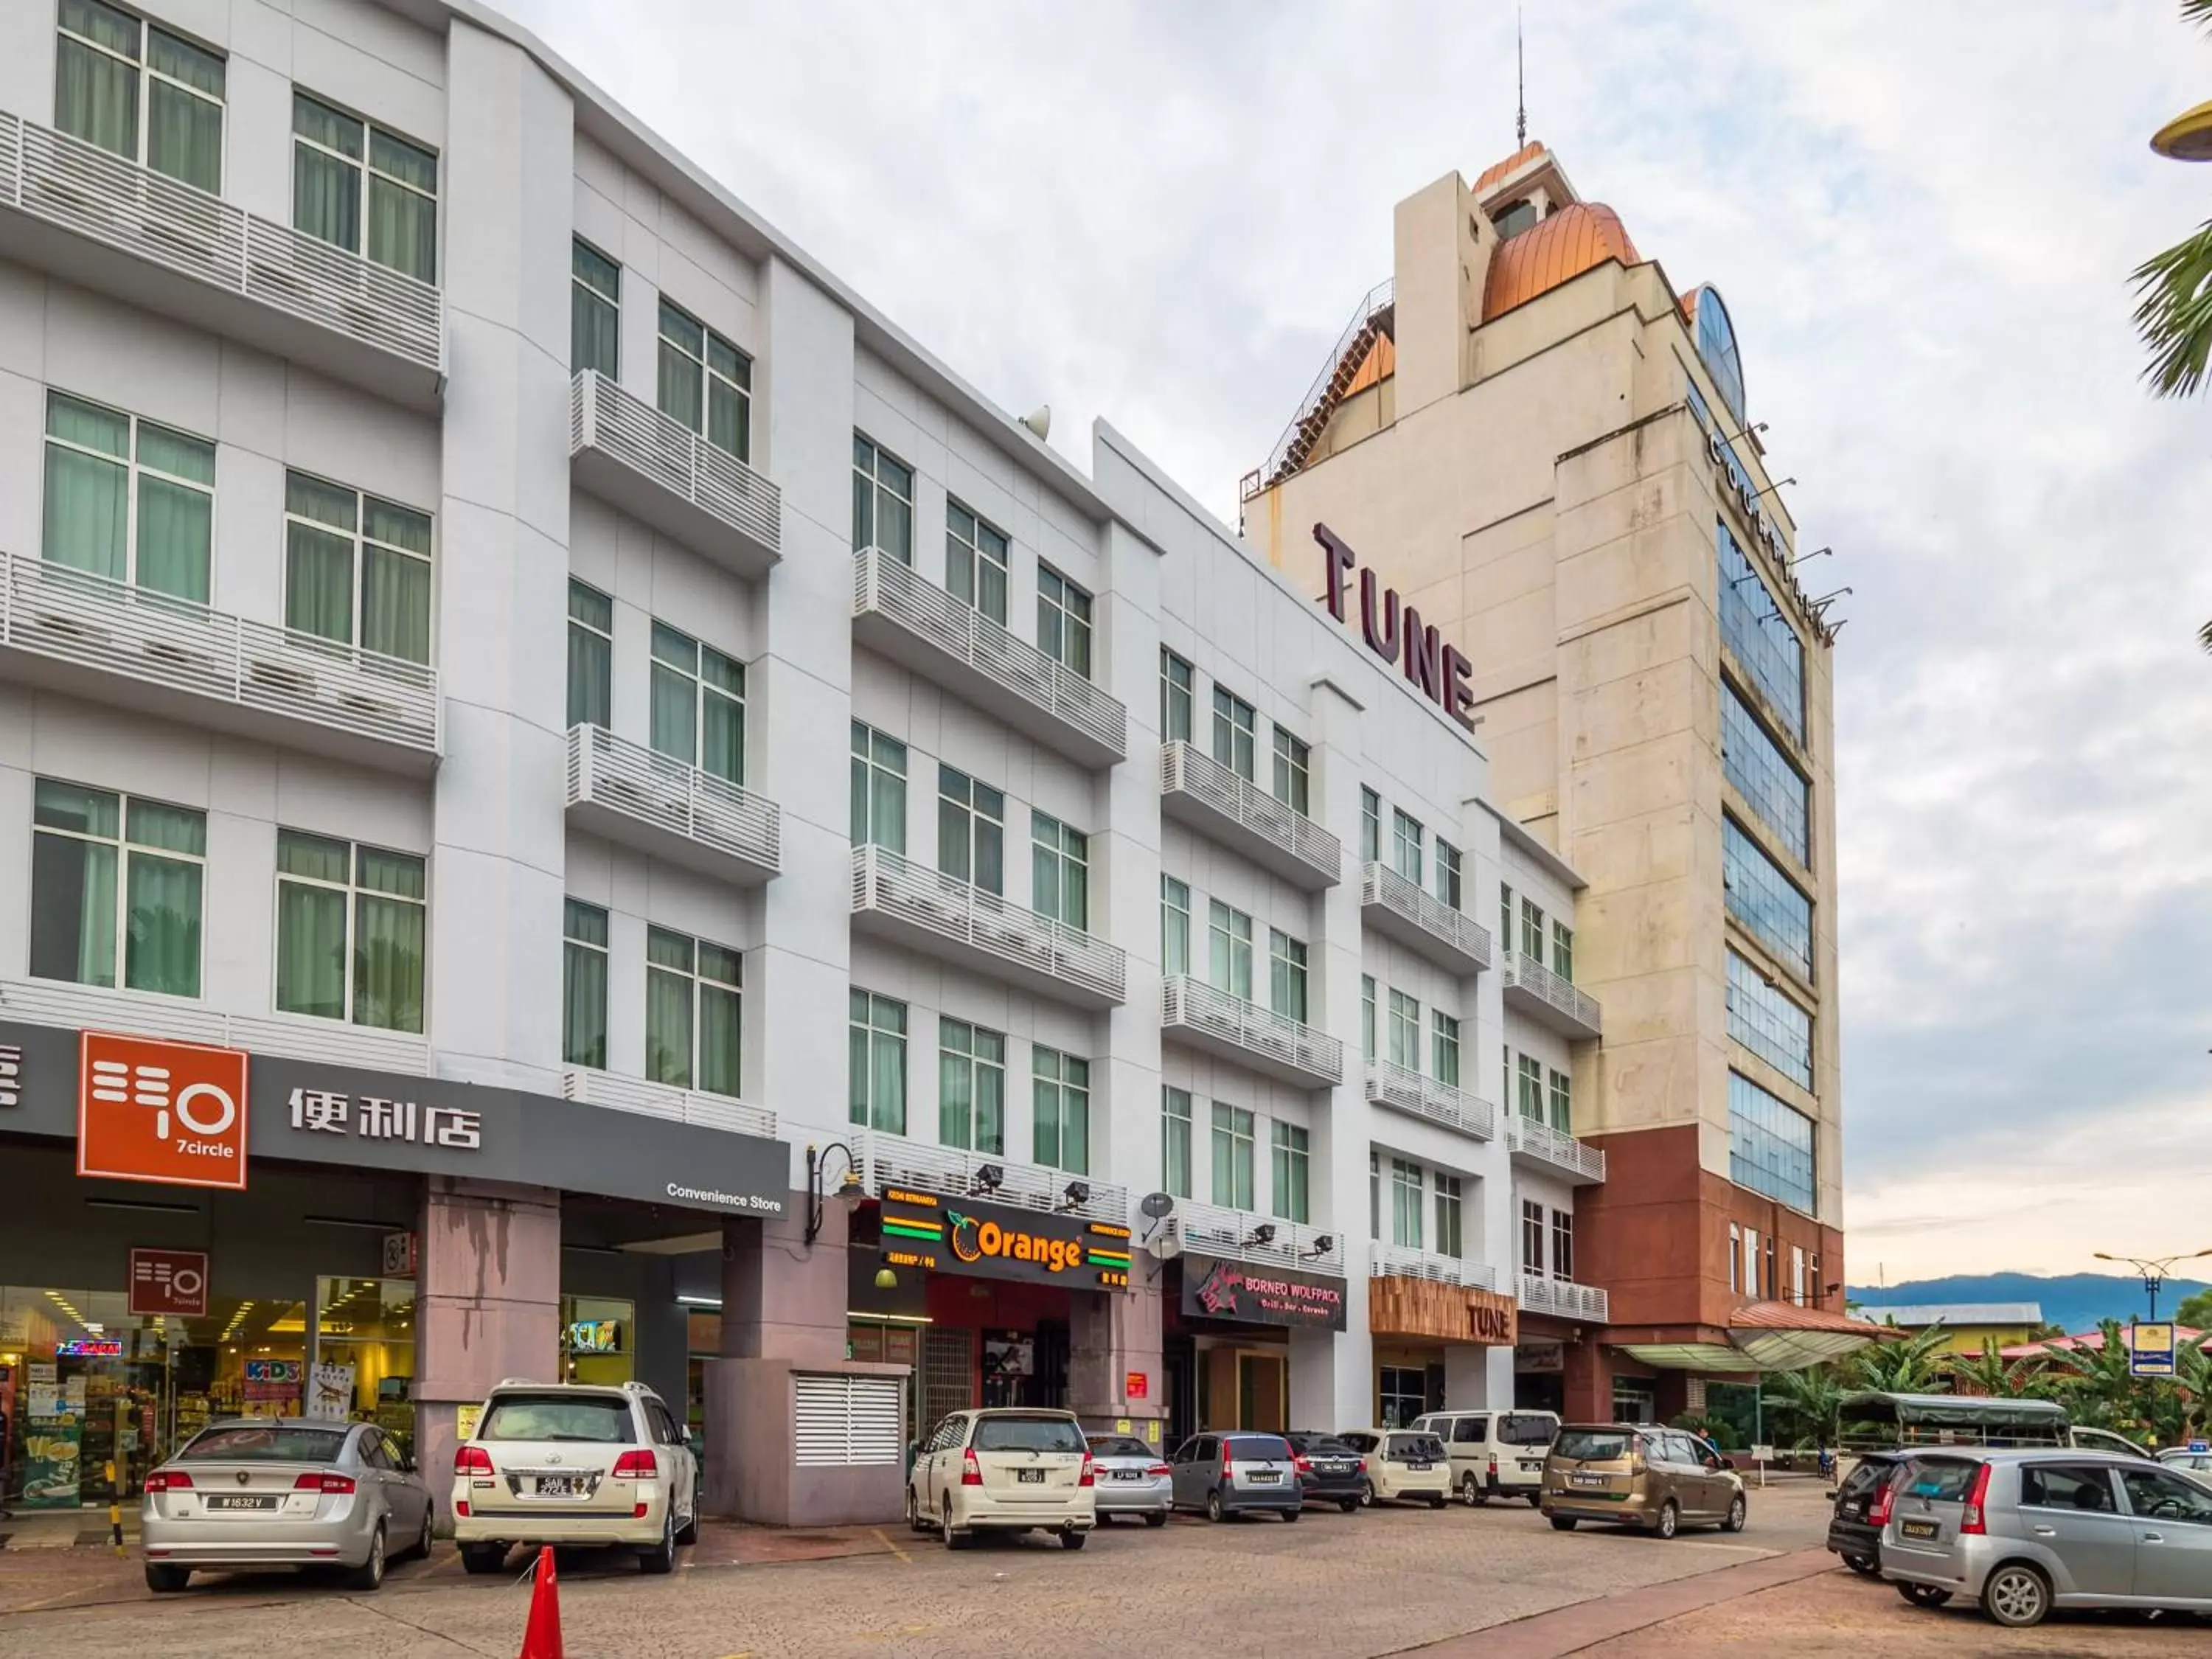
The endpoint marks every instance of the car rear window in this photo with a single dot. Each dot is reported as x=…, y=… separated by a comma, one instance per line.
x=1526, y=1429
x=1243, y=1447
x=1943, y=1479
x=272, y=1444
x=1037, y=1434
x=597, y=1417
x=1415, y=1448
x=1119, y=1445
x=1325, y=1445
x=1592, y=1445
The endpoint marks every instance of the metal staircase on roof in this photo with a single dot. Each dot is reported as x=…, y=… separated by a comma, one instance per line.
x=1376, y=317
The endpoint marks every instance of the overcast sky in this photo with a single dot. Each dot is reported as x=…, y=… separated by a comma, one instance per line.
x=1923, y=216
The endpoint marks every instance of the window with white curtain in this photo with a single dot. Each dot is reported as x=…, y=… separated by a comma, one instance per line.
x=590, y=656
x=1229, y=954
x=1286, y=975
x=698, y=705
x=140, y=92
x=882, y=501
x=352, y=923
x=975, y=553
x=357, y=569
x=360, y=188
x=128, y=500
x=1235, y=726
x=1289, y=1157
x=1406, y=845
x=1060, y=1110
x=1059, y=872
x=1063, y=621
x=875, y=1062
x=1404, y=1031
x=594, y=311
x=705, y=382
x=878, y=789
x=583, y=984
x=971, y=830
x=1407, y=1195
x=694, y=992
x=1232, y=1156
x=1444, y=1032
x=971, y=1086
x=117, y=882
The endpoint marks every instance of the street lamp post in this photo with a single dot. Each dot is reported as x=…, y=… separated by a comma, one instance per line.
x=2154, y=1271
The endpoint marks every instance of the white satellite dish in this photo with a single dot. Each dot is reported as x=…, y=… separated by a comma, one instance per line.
x=1039, y=420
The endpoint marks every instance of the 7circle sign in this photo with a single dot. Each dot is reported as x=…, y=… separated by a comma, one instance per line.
x=170, y=1113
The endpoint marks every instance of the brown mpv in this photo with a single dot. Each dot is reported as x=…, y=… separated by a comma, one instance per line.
x=1658, y=1479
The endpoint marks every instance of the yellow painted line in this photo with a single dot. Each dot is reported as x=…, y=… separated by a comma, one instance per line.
x=885, y=1540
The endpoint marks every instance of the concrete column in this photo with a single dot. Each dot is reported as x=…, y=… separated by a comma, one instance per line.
x=1476, y=1376
x=1333, y=1377
x=1110, y=1335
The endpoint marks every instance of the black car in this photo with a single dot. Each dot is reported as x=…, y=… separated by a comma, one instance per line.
x=1329, y=1470
x=1853, y=1533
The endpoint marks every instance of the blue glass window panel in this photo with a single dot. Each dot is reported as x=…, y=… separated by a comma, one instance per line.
x=1770, y=1145
x=1717, y=346
x=1768, y=1022
x=1764, y=776
x=1765, y=900
x=1753, y=628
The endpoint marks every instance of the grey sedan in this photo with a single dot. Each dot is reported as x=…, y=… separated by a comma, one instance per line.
x=256, y=1492
x=1132, y=1477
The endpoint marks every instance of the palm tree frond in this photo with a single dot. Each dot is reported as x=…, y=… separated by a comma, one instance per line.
x=2173, y=312
x=2198, y=12
x=2204, y=636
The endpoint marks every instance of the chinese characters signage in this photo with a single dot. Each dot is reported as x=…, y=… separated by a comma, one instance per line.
x=170, y=1113
x=1258, y=1295
x=169, y=1282
x=323, y=1111
x=944, y=1233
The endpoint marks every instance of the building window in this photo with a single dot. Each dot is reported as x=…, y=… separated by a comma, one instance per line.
x=883, y=502
x=1175, y=1141
x=698, y=705
x=971, y=1087
x=1751, y=1261
x=139, y=92
x=1769, y=1023
x=1444, y=1033
x=590, y=656
x=1289, y=1171
x=1450, y=887
x=1059, y=872
x=693, y=997
x=1405, y=846
x=1562, y=1245
x=1293, y=781
x=128, y=500
x=1563, y=952
x=1175, y=926
x=1406, y=1197
x=1373, y=1196
x=1755, y=629
x=878, y=790
x=1367, y=1016
x=1819, y=1290
x=1764, y=776
x=1562, y=1113
x=971, y=831
x=1735, y=1258
x=705, y=383
x=1532, y=1087
x=1234, y=722
x=1532, y=931
x=1286, y=975
x=1773, y=1283
x=1505, y=917
x=975, y=562
x=1178, y=692
x=337, y=158
x=594, y=311
x=1770, y=1145
x=583, y=984
x=1063, y=621
x=1765, y=900
x=1514, y=218
x=1402, y=1391
x=1532, y=1237
x=356, y=569
x=1450, y=1238
x=1232, y=1156
x=1228, y=953
x=1060, y=1109
x=116, y=877
x=1797, y=1274
x=1371, y=826
x=1404, y=1031
x=351, y=922
x=875, y=1061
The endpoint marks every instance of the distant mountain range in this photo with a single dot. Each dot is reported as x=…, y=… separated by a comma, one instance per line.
x=2076, y=1301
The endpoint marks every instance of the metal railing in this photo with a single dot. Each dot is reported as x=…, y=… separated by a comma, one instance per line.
x=886, y=586
x=1192, y=1005
x=631, y=778
x=892, y=1160
x=1377, y=299
x=890, y=886
x=1565, y=1299
x=1239, y=801
x=661, y=1100
x=185, y=231
x=1381, y=887
x=1407, y=1090
x=1525, y=973
x=602, y=416
x=1397, y=1262
x=71, y=615
x=1537, y=1138
x=296, y=1036
x=1219, y=1231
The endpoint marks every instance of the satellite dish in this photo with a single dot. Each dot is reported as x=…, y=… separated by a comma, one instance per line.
x=1167, y=1244
x=1039, y=420
x=1157, y=1213
x=1155, y=1206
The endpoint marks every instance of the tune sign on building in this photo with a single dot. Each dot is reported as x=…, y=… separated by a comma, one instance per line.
x=1395, y=632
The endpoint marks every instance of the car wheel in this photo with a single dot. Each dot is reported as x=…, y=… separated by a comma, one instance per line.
x=1670, y=1520
x=2016, y=1595
x=422, y=1545
x=1535, y=1500
x=688, y=1532
x=1437, y=1500
x=1213, y=1511
x=1348, y=1505
x=167, y=1581
x=1073, y=1539
x=661, y=1558
x=1564, y=1522
x=1923, y=1595
x=1733, y=1521
x=369, y=1575
x=1865, y=1565
x=1366, y=1494
x=1471, y=1492
x=1156, y=1518
x=1292, y=1515
x=482, y=1558
x=953, y=1541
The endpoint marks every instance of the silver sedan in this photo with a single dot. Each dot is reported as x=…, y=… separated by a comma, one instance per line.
x=262, y=1491
x=1132, y=1477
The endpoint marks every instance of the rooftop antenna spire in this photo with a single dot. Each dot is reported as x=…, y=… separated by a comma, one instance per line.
x=1521, y=86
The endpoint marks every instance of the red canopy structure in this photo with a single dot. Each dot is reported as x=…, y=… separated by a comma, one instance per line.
x=2088, y=1341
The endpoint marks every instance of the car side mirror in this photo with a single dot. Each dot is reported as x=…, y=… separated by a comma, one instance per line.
x=1713, y=1460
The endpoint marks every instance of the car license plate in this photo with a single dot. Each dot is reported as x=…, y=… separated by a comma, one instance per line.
x=1918, y=1530
x=1029, y=1477
x=1526, y=1467
x=1422, y=1468
x=1579, y=1478
x=233, y=1501
x=1128, y=1474
x=561, y=1486
x=1336, y=1468
x=1265, y=1476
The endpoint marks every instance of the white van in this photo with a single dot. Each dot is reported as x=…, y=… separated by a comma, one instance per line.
x=1494, y=1454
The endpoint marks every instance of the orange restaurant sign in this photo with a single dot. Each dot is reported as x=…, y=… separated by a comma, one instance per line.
x=170, y=1113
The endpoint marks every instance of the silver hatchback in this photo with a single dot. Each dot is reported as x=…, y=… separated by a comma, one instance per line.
x=2024, y=1532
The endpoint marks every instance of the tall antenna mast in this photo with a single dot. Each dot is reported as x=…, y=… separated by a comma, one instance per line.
x=1521, y=86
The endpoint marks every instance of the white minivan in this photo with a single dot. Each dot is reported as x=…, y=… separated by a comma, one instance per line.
x=1494, y=1454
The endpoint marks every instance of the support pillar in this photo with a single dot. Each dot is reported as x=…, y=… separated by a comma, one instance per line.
x=1113, y=1336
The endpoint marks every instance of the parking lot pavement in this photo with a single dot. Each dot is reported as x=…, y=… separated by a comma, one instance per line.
x=1348, y=1587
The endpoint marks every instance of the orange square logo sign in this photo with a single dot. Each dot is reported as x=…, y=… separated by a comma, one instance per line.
x=170, y=1113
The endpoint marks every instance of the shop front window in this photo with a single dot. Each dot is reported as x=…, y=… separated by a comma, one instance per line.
x=364, y=1368
x=597, y=1339
x=1403, y=1393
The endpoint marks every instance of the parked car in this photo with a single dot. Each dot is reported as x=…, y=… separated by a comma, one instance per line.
x=285, y=1492
x=2189, y=1462
x=1853, y=1533
x=1236, y=1471
x=1400, y=1466
x=1009, y=1469
x=2023, y=1532
x=1659, y=1479
x=1494, y=1454
x=1133, y=1479
x=1328, y=1469
x=572, y=1463
x=2084, y=1438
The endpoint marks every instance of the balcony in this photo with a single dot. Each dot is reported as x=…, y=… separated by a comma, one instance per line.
x=890, y=1160
x=110, y=225
x=64, y=629
x=661, y=1100
x=1406, y=1090
x=1258, y=1039
x=625, y=792
x=1562, y=1298
x=1535, y=1144
x=1396, y=1261
x=1421, y=921
x=1537, y=991
x=902, y=615
x=627, y=452
x=295, y=1036
x=911, y=905
x=1216, y=1230
x=1200, y=791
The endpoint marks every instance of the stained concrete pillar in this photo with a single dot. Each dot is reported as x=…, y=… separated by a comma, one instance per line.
x=1112, y=1336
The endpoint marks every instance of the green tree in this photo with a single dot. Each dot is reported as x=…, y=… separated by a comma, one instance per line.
x=1809, y=1404
x=2099, y=1389
x=2192, y=1370
x=2196, y=1310
x=1990, y=1372
x=1900, y=1367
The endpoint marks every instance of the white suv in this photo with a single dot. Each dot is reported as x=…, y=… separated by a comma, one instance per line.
x=564, y=1463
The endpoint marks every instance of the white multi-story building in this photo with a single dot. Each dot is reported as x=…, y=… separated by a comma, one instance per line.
x=508, y=670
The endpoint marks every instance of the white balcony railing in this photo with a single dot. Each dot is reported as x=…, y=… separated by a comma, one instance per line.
x=910, y=902
x=661, y=1100
x=1246, y=1235
x=296, y=1036
x=1541, y=994
x=1257, y=1038
x=904, y=615
x=659, y=805
x=78, y=187
x=1406, y=1090
x=1531, y=1138
x=120, y=643
x=1200, y=791
x=1421, y=921
x=659, y=470
x=1397, y=1262
x=891, y=1160
x=1564, y=1299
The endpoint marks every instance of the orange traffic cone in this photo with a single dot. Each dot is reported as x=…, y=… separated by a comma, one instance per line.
x=541, y=1636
